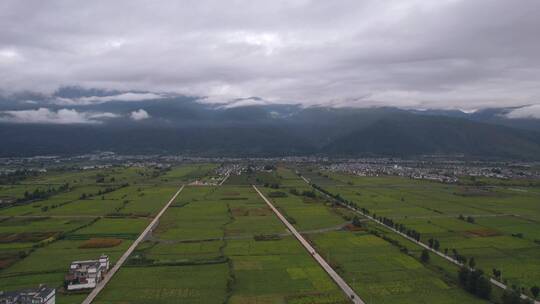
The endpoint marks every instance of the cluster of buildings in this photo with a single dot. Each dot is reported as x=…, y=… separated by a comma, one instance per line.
x=81, y=275
x=220, y=175
x=229, y=169
x=442, y=171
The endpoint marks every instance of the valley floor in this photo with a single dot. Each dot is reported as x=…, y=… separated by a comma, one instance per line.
x=224, y=244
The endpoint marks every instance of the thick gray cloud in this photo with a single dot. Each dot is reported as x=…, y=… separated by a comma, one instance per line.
x=421, y=54
x=103, y=99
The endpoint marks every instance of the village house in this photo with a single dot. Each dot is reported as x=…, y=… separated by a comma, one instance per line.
x=39, y=295
x=86, y=274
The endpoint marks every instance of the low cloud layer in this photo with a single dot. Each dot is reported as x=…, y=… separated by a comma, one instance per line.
x=47, y=116
x=407, y=53
x=532, y=111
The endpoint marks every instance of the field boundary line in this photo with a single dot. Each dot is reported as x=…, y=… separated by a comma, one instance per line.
x=425, y=246
x=92, y=295
x=351, y=294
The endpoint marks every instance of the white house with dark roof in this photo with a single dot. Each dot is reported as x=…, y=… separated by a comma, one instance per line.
x=86, y=274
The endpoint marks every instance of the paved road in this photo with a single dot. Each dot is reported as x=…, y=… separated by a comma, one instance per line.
x=305, y=179
x=128, y=252
x=224, y=179
x=442, y=255
x=331, y=272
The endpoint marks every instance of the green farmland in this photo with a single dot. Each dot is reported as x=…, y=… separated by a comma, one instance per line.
x=216, y=245
x=495, y=224
x=41, y=234
x=376, y=269
x=223, y=244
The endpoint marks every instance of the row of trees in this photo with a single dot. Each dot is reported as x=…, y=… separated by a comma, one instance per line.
x=16, y=176
x=111, y=189
x=399, y=227
x=306, y=193
x=41, y=194
x=104, y=191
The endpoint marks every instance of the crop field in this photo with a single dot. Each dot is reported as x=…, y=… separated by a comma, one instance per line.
x=188, y=173
x=223, y=244
x=101, y=212
x=377, y=270
x=497, y=224
x=216, y=245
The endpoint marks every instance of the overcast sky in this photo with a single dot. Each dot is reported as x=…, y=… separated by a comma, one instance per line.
x=423, y=54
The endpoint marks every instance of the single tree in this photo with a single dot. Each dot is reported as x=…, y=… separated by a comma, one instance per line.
x=535, y=290
x=425, y=256
x=483, y=287
x=510, y=297
x=472, y=263
x=357, y=222
x=463, y=275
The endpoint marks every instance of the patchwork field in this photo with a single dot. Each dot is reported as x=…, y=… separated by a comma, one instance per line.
x=101, y=211
x=222, y=244
x=377, y=270
x=216, y=245
x=496, y=224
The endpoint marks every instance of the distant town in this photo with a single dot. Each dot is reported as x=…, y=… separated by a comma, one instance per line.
x=446, y=169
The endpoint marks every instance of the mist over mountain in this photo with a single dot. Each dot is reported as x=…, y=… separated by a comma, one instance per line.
x=75, y=120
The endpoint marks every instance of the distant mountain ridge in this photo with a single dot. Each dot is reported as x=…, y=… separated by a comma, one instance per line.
x=184, y=124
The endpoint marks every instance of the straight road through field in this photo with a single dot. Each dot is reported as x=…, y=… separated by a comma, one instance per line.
x=128, y=252
x=331, y=272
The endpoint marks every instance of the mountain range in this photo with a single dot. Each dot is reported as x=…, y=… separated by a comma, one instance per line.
x=75, y=120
